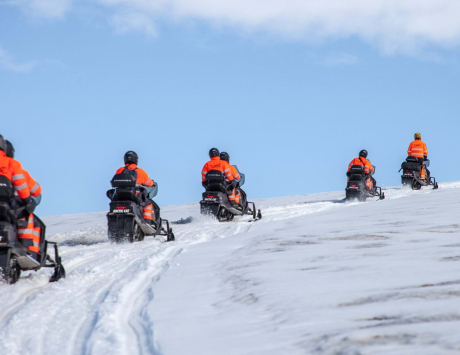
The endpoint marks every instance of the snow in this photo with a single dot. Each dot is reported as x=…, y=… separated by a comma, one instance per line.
x=315, y=276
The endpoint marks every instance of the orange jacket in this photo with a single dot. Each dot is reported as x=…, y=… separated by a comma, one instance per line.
x=13, y=171
x=363, y=162
x=236, y=175
x=417, y=149
x=142, y=176
x=34, y=187
x=216, y=164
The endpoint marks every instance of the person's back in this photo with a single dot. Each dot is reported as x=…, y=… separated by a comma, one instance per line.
x=216, y=164
x=131, y=160
x=34, y=187
x=367, y=167
x=366, y=164
x=13, y=171
x=417, y=148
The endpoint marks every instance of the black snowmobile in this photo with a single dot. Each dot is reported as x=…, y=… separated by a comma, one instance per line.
x=412, y=169
x=356, y=185
x=215, y=199
x=126, y=221
x=14, y=256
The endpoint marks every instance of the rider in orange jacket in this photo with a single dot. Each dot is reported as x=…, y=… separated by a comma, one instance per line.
x=29, y=236
x=13, y=171
x=34, y=186
x=236, y=194
x=418, y=149
x=220, y=165
x=142, y=178
x=368, y=168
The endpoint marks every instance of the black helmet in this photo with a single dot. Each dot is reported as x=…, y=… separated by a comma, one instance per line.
x=225, y=156
x=131, y=157
x=363, y=153
x=2, y=143
x=9, y=149
x=214, y=152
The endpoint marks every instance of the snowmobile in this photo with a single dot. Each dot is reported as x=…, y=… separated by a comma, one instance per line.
x=356, y=185
x=412, y=169
x=126, y=221
x=14, y=256
x=215, y=200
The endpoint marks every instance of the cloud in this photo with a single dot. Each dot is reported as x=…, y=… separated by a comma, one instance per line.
x=393, y=25
x=133, y=21
x=340, y=59
x=7, y=62
x=52, y=9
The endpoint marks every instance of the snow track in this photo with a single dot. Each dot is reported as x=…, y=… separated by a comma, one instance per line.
x=103, y=306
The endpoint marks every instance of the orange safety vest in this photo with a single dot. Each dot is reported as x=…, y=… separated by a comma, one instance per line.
x=236, y=175
x=363, y=162
x=217, y=164
x=142, y=176
x=34, y=187
x=13, y=171
x=417, y=149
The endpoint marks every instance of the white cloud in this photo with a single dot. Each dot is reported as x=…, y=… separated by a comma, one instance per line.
x=394, y=25
x=7, y=62
x=133, y=21
x=53, y=9
x=340, y=59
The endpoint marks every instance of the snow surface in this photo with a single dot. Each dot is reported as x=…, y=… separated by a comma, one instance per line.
x=315, y=276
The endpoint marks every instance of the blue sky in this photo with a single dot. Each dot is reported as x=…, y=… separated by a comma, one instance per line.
x=291, y=93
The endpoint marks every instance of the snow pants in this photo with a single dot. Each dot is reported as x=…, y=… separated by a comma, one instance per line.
x=234, y=195
x=30, y=236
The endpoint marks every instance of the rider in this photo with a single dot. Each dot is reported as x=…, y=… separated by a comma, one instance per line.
x=34, y=186
x=368, y=168
x=220, y=165
x=10, y=168
x=419, y=150
x=236, y=194
x=142, y=178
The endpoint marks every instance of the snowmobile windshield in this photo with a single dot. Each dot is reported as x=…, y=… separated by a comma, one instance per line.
x=151, y=191
x=241, y=182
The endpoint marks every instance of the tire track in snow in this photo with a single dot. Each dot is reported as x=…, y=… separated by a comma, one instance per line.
x=81, y=308
x=15, y=304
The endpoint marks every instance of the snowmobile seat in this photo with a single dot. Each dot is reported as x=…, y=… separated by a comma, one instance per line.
x=412, y=166
x=125, y=194
x=411, y=159
x=215, y=181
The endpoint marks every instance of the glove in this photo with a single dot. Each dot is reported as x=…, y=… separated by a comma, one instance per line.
x=204, y=183
x=425, y=157
x=348, y=174
x=30, y=204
